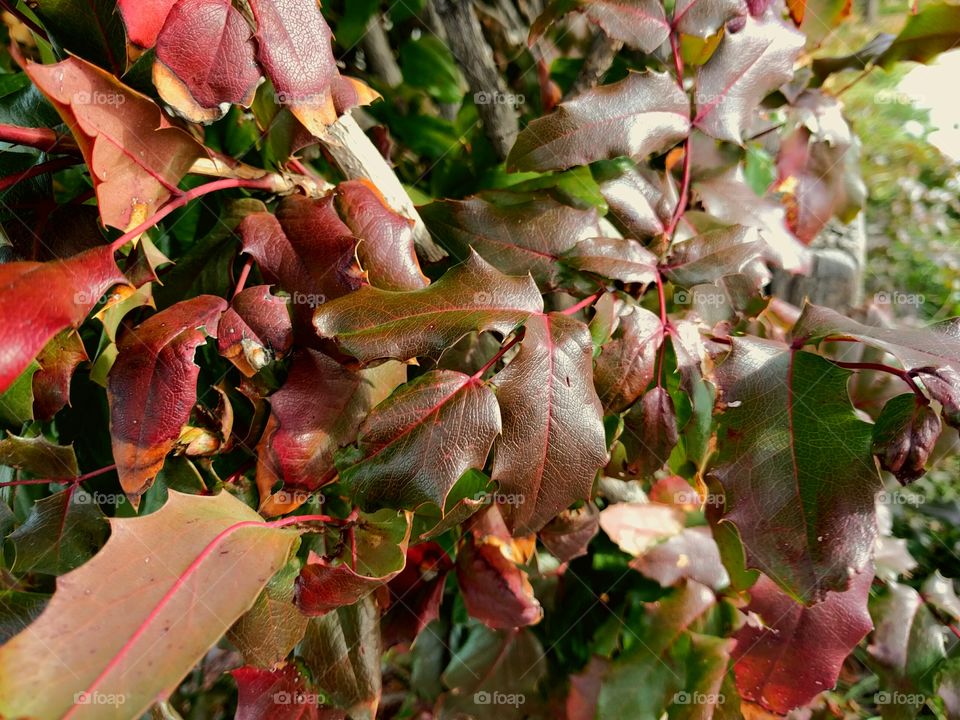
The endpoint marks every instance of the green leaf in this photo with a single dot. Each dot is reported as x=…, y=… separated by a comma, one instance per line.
x=642, y=114
x=18, y=610
x=177, y=599
x=417, y=443
x=428, y=65
x=373, y=324
x=342, y=650
x=16, y=402
x=39, y=457
x=61, y=533
x=795, y=463
x=92, y=29
x=933, y=30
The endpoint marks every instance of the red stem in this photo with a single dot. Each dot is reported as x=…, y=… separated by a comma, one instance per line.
x=39, y=169
x=500, y=353
x=880, y=367
x=244, y=274
x=74, y=481
x=180, y=201
x=587, y=301
x=40, y=138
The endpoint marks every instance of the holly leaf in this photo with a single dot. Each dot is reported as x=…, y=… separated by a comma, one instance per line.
x=39, y=457
x=342, y=649
x=269, y=630
x=294, y=48
x=414, y=594
x=787, y=653
x=178, y=598
x=614, y=258
x=375, y=556
x=494, y=589
x=626, y=363
x=58, y=361
x=61, y=533
x=641, y=24
x=205, y=60
x=517, y=236
x=927, y=33
x=747, y=66
x=306, y=250
x=144, y=19
x=553, y=441
x=640, y=207
x=704, y=18
x=38, y=300
x=136, y=158
x=931, y=354
x=373, y=324
x=386, y=250
x=255, y=329
x=718, y=253
x=416, y=444
x=90, y=29
x=642, y=114
x=152, y=387
x=795, y=462
x=651, y=432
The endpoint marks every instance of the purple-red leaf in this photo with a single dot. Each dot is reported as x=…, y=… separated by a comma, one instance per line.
x=495, y=590
x=786, y=653
x=905, y=435
x=650, y=432
x=386, y=248
x=277, y=695
x=152, y=387
x=38, y=300
x=568, y=535
x=626, y=363
x=415, y=594
x=641, y=114
x=144, y=19
x=51, y=384
x=255, y=329
x=205, y=59
x=614, y=258
x=747, y=66
x=553, y=440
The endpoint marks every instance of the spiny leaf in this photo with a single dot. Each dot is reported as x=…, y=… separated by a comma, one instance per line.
x=380, y=547
x=747, y=66
x=255, y=329
x=136, y=158
x=519, y=235
x=798, y=651
x=614, y=258
x=38, y=300
x=640, y=24
x=626, y=363
x=51, y=385
x=205, y=60
x=417, y=443
x=795, y=463
x=373, y=324
x=178, y=598
x=386, y=248
x=553, y=441
x=933, y=30
x=642, y=114
x=39, y=457
x=153, y=385
x=703, y=18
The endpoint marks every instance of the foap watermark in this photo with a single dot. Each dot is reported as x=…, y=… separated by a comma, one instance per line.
x=895, y=97
x=901, y=498
x=899, y=298
x=698, y=698
x=312, y=300
x=298, y=698
x=289, y=98
x=99, y=498
x=98, y=97
x=498, y=98
x=692, y=497
x=499, y=698
x=700, y=296
x=898, y=698
x=82, y=297
x=499, y=498
x=99, y=698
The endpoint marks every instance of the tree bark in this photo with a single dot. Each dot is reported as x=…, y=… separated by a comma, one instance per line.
x=598, y=60
x=466, y=42
x=379, y=54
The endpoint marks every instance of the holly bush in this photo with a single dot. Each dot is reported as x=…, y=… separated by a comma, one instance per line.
x=329, y=391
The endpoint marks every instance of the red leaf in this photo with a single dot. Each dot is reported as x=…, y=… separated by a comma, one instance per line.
x=38, y=300
x=135, y=157
x=568, y=535
x=495, y=590
x=294, y=48
x=144, y=19
x=205, y=60
x=386, y=249
x=153, y=386
x=277, y=695
x=798, y=652
x=415, y=594
x=255, y=329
